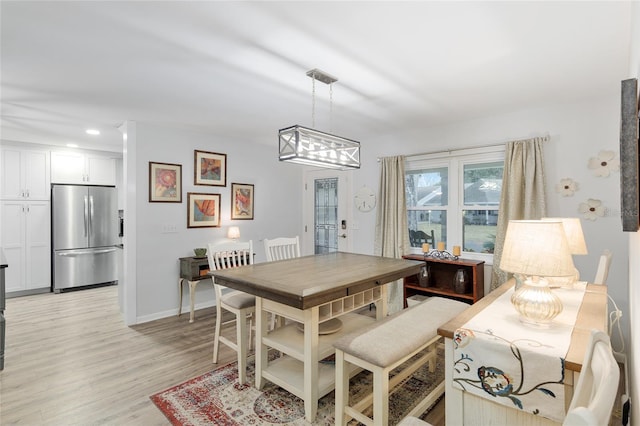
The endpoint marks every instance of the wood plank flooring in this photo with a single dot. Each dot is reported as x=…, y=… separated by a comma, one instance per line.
x=69, y=359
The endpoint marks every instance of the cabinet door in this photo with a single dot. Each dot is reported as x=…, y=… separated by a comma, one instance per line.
x=67, y=167
x=12, y=241
x=12, y=180
x=36, y=175
x=37, y=246
x=101, y=170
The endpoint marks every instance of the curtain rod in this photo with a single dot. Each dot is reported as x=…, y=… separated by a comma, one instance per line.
x=545, y=138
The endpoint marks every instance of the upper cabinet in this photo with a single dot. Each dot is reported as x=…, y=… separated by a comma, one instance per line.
x=24, y=174
x=86, y=169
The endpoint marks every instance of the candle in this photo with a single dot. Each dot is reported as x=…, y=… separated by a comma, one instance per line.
x=456, y=250
x=440, y=245
x=425, y=247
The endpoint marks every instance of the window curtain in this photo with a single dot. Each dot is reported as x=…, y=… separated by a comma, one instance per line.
x=392, y=234
x=523, y=193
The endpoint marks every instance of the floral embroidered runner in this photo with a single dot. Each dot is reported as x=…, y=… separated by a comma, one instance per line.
x=499, y=358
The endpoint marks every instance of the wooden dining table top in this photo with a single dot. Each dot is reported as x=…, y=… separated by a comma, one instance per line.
x=308, y=281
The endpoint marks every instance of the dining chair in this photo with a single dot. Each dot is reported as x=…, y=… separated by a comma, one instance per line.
x=242, y=305
x=282, y=248
x=597, y=387
x=603, y=268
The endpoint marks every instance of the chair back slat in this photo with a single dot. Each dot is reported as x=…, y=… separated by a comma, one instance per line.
x=229, y=255
x=282, y=248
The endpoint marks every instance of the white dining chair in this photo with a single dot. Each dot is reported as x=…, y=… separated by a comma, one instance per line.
x=603, y=268
x=242, y=305
x=282, y=248
x=597, y=387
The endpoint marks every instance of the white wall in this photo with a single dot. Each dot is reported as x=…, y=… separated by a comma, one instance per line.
x=578, y=131
x=278, y=209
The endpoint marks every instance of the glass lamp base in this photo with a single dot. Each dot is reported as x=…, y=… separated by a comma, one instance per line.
x=536, y=303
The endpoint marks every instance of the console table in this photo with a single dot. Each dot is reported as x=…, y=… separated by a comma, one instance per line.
x=192, y=270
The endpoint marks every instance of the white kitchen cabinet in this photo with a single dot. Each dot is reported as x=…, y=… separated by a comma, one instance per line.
x=26, y=241
x=24, y=174
x=80, y=168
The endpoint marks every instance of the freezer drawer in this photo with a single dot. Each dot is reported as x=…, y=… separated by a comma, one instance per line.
x=75, y=268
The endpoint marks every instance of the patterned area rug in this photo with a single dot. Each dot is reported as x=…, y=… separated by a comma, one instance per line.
x=216, y=398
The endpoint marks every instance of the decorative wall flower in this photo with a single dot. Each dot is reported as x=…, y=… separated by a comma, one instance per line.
x=592, y=209
x=605, y=163
x=567, y=187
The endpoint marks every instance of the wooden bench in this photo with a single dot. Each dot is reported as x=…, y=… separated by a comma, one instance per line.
x=385, y=345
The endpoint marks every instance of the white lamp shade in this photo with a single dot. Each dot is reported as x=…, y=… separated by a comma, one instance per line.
x=536, y=248
x=575, y=236
x=233, y=233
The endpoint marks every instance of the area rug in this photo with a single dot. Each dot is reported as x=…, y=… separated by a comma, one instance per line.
x=216, y=398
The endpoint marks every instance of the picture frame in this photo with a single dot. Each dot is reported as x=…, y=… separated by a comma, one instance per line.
x=210, y=168
x=242, y=201
x=203, y=210
x=165, y=182
x=629, y=156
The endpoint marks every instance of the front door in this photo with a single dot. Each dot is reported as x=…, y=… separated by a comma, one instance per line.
x=326, y=212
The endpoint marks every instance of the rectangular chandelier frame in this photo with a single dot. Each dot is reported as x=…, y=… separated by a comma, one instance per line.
x=303, y=145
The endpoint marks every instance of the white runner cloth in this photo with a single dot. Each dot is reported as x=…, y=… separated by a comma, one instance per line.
x=499, y=358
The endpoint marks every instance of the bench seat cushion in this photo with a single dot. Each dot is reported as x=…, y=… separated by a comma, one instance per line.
x=387, y=341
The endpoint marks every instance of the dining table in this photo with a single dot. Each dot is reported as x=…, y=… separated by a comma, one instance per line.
x=319, y=296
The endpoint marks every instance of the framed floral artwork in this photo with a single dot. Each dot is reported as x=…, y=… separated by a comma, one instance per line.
x=210, y=168
x=241, y=201
x=203, y=210
x=165, y=183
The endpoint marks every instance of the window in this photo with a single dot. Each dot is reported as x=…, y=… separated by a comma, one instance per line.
x=454, y=197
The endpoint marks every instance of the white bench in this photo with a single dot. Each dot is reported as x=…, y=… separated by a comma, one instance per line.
x=385, y=345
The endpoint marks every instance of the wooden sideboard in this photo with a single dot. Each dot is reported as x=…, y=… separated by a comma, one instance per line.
x=441, y=278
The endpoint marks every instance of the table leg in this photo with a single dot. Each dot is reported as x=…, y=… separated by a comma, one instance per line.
x=192, y=298
x=261, y=354
x=311, y=328
x=454, y=403
x=382, y=305
x=180, y=282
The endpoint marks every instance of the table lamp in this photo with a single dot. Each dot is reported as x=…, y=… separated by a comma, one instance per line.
x=577, y=246
x=233, y=233
x=536, y=249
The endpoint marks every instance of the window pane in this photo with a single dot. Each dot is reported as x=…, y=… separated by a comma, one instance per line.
x=479, y=230
x=427, y=188
x=483, y=183
x=425, y=223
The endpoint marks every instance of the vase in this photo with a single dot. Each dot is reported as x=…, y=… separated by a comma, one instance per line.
x=461, y=281
x=424, y=277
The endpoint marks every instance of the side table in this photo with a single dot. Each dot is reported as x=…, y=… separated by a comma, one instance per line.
x=192, y=270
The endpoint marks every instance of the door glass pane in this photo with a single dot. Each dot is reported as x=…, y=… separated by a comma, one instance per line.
x=326, y=215
x=479, y=230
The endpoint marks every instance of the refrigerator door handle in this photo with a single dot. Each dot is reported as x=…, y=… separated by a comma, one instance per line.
x=86, y=215
x=91, y=213
x=81, y=252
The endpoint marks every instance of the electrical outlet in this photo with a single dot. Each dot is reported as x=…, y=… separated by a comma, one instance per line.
x=168, y=228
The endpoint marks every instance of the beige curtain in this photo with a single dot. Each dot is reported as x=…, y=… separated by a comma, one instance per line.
x=392, y=234
x=523, y=193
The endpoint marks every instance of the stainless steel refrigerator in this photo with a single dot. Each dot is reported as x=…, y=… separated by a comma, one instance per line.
x=84, y=228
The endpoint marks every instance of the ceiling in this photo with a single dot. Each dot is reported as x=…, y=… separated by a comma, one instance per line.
x=239, y=68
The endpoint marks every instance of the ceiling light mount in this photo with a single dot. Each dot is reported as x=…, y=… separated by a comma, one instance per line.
x=303, y=145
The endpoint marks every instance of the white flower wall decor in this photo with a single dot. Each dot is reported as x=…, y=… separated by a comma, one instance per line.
x=604, y=164
x=592, y=209
x=567, y=187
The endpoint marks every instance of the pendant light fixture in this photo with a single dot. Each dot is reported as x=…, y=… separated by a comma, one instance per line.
x=303, y=145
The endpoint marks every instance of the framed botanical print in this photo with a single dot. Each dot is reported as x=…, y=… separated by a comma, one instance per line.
x=165, y=183
x=210, y=168
x=241, y=201
x=203, y=210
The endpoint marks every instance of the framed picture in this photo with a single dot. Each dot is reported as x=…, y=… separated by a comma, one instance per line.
x=210, y=168
x=203, y=210
x=165, y=183
x=241, y=201
x=629, y=156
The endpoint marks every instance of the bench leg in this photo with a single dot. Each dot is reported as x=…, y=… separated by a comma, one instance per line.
x=380, y=397
x=342, y=388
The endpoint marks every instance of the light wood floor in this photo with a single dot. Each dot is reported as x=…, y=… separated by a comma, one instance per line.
x=69, y=359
